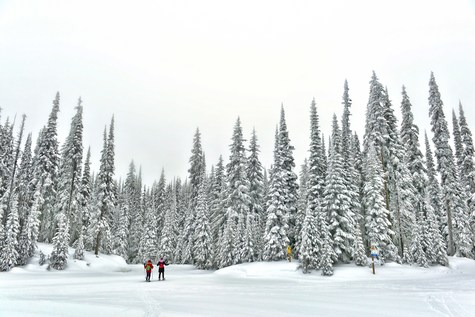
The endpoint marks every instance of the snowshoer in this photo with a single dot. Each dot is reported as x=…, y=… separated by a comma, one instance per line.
x=161, y=268
x=289, y=253
x=148, y=268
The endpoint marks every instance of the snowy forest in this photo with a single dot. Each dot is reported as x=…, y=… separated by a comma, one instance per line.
x=411, y=196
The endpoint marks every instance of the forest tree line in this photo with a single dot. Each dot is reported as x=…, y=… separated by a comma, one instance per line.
x=415, y=205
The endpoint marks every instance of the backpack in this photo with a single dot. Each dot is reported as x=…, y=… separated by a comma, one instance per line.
x=148, y=268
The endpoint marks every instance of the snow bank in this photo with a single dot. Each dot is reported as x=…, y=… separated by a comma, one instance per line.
x=269, y=270
x=91, y=263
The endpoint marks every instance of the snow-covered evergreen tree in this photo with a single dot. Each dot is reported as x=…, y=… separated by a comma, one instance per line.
x=185, y=242
x=467, y=169
x=6, y=162
x=203, y=248
x=349, y=156
x=310, y=244
x=184, y=221
x=316, y=250
x=8, y=253
x=460, y=239
x=101, y=219
x=357, y=181
x=457, y=140
x=69, y=174
x=417, y=245
x=226, y=246
x=45, y=164
x=327, y=253
x=256, y=217
x=359, y=252
x=84, y=201
x=289, y=178
x=310, y=250
x=197, y=166
x=337, y=201
x=275, y=238
x=59, y=255
x=238, y=199
x=158, y=197
x=25, y=201
x=425, y=234
x=121, y=226
x=167, y=243
x=218, y=196
x=301, y=206
x=434, y=190
x=148, y=244
x=79, y=252
x=196, y=170
x=381, y=132
x=132, y=192
x=377, y=222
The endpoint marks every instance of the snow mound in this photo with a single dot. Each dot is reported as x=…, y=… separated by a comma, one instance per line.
x=91, y=263
x=462, y=265
x=281, y=269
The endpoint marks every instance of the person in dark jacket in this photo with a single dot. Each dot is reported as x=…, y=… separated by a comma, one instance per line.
x=148, y=268
x=161, y=268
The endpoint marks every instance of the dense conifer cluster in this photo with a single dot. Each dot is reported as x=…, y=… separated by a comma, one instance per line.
x=388, y=194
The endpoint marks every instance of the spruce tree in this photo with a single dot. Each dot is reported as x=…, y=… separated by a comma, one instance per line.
x=45, y=165
x=25, y=202
x=256, y=216
x=301, y=206
x=310, y=244
x=148, y=243
x=132, y=191
x=337, y=201
x=121, y=227
x=457, y=141
x=168, y=238
x=377, y=222
x=197, y=166
x=316, y=250
x=238, y=199
x=218, y=196
x=289, y=178
x=9, y=254
x=351, y=175
x=59, y=255
x=327, y=253
x=203, y=249
x=467, y=169
x=275, y=237
x=417, y=247
x=158, y=196
x=435, y=191
x=101, y=220
x=359, y=252
x=79, y=252
x=460, y=240
x=226, y=247
x=70, y=172
x=7, y=158
x=357, y=182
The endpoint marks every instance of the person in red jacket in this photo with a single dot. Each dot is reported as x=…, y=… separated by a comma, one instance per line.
x=148, y=268
x=161, y=268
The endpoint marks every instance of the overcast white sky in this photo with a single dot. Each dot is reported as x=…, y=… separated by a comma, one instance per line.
x=164, y=68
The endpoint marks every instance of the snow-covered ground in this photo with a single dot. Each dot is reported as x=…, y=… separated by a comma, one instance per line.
x=110, y=287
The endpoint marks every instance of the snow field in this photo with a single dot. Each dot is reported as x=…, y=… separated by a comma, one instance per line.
x=110, y=287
